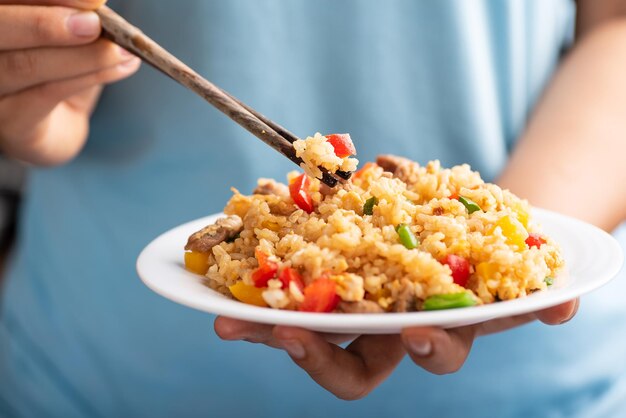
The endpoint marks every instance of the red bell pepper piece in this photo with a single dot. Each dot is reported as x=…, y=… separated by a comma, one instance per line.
x=289, y=275
x=343, y=145
x=535, y=240
x=363, y=169
x=460, y=268
x=320, y=296
x=299, y=191
x=267, y=269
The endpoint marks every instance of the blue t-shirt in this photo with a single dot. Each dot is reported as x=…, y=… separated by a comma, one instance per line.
x=81, y=336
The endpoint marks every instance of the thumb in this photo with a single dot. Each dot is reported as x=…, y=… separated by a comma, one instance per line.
x=559, y=314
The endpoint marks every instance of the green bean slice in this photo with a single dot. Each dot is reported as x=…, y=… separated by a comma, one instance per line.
x=407, y=238
x=368, y=207
x=449, y=301
x=469, y=204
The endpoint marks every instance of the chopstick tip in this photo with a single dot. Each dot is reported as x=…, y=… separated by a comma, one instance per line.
x=344, y=174
x=328, y=179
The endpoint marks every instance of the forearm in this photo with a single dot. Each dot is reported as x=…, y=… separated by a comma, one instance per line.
x=572, y=157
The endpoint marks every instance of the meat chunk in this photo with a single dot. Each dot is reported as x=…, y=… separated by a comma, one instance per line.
x=405, y=297
x=402, y=168
x=362, y=306
x=391, y=163
x=408, y=173
x=270, y=187
x=210, y=236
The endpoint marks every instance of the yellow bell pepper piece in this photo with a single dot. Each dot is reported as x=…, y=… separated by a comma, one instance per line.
x=247, y=294
x=197, y=262
x=271, y=225
x=380, y=294
x=514, y=231
x=486, y=271
x=522, y=215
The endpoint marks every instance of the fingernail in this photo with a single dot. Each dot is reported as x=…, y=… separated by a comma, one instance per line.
x=84, y=24
x=572, y=314
x=129, y=64
x=420, y=347
x=124, y=53
x=294, y=348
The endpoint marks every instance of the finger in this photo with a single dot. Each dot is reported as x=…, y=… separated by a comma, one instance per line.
x=348, y=374
x=24, y=69
x=235, y=329
x=552, y=316
x=439, y=351
x=39, y=100
x=37, y=128
x=559, y=314
x=78, y=4
x=36, y=26
x=502, y=324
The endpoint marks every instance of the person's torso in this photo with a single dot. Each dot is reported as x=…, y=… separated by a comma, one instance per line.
x=450, y=80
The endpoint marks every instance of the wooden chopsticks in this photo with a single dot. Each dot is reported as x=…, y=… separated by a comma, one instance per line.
x=118, y=30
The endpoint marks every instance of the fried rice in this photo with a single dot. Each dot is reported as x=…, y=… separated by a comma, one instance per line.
x=353, y=240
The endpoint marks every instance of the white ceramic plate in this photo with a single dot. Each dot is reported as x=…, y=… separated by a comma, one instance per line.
x=592, y=257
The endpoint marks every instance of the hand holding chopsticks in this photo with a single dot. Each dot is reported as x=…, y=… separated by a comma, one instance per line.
x=118, y=30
